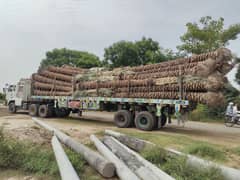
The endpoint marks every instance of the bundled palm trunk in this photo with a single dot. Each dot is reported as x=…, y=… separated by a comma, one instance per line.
x=199, y=78
x=55, y=81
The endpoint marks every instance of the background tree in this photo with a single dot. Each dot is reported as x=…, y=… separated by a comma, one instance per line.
x=207, y=35
x=122, y=53
x=59, y=57
x=2, y=97
x=145, y=51
x=237, y=59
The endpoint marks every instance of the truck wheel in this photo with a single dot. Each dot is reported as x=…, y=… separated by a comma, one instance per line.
x=33, y=110
x=62, y=112
x=123, y=118
x=145, y=121
x=67, y=112
x=50, y=111
x=163, y=120
x=43, y=111
x=12, y=108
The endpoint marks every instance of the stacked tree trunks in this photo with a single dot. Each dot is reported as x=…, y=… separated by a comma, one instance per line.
x=54, y=81
x=199, y=78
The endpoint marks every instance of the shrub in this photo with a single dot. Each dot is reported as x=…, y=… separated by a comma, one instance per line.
x=205, y=113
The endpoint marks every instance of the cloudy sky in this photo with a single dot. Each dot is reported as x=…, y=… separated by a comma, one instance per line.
x=29, y=28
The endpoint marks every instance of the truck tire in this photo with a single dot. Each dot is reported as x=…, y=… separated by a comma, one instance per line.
x=123, y=119
x=43, y=111
x=62, y=112
x=163, y=120
x=67, y=112
x=33, y=110
x=145, y=121
x=12, y=108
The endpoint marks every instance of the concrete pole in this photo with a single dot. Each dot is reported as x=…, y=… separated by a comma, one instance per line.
x=123, y=172
x=65, y=167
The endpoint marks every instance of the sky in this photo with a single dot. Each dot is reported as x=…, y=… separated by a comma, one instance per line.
x=29, y=28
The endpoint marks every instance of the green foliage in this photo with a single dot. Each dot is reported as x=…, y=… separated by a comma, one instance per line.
x=207, y=35
x=59, y=57
x=122, y=53
x=77, y=160
x=155, y=155
x=206, y=151
x=145, y=51
x=231, y=94
x=39, y=161
x=178, y=168
x=237, y=150
x=2, y=96
x=33, y=158
x=205, y=114
x=238, y=75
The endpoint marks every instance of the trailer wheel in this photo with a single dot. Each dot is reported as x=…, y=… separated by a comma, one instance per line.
x=43, y=111
x=12, y=108
x=33, y=110
x=145, y=121
x=123, y=118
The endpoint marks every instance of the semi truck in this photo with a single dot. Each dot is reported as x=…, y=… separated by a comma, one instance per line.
x=144, y=113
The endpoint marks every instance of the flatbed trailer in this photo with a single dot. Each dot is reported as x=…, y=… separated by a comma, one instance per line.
x=145, y=114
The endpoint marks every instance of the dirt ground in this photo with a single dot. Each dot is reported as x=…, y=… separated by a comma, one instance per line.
x=94, y=122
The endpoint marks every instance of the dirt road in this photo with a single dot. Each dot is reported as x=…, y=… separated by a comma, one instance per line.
x=216, y=133
x=94, y=122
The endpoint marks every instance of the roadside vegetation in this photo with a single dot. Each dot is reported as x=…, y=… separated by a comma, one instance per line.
x=38, y=160
x=2, y=98
x=206, y=151
x=178, y=167
x=213, y=152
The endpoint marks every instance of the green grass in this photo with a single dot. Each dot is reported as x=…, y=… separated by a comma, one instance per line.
x=39, y=160
x=236, y=150
x=34, y=159
x=178, y=168
x=206, y=151
x=160, y=138
x=183, y=143
x=156, y=155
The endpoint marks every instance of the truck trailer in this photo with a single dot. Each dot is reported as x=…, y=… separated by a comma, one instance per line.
x=144, y=96
x=144, y=113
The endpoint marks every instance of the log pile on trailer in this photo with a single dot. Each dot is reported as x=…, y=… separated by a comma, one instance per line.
x=199, y=78
x=54, y=81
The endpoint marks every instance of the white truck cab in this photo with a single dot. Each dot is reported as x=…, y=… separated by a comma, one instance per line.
x=17, y=96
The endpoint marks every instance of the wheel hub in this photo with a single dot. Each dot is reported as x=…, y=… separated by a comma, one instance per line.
x=143, y=121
